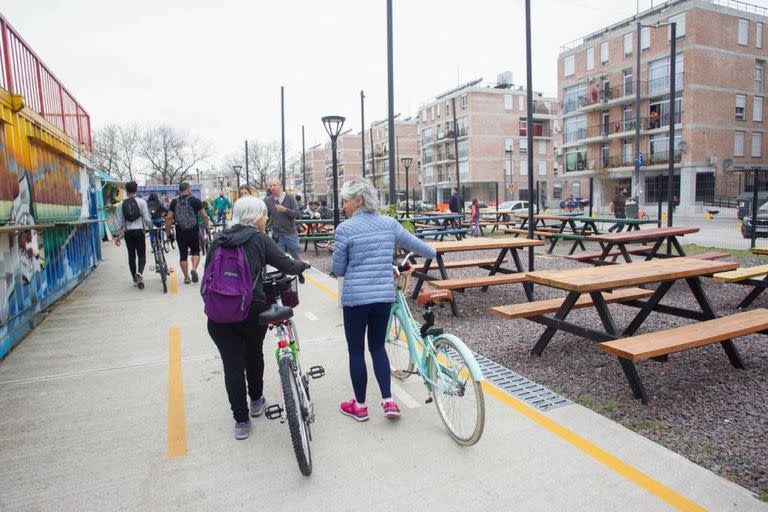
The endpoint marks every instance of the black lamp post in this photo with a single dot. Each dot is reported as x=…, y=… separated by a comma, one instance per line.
x=237, y=169
x=407, y=161
x=333, y=126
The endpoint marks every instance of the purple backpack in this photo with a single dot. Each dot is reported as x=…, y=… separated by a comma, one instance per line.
x=227, y=287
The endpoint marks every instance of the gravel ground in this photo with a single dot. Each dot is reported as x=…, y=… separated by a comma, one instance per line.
x=700, y=406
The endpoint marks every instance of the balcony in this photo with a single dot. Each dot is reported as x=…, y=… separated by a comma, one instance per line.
x=596, y=96
x=655, y=158
x=618, y=128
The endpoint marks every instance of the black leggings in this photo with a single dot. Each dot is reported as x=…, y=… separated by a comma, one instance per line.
x=240, y=345
x=137, y=249
x=374, y=319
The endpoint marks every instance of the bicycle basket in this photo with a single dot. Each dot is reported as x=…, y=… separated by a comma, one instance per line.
x=285, y=286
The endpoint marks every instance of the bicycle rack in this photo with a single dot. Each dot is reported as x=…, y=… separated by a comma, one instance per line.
x=316, y=372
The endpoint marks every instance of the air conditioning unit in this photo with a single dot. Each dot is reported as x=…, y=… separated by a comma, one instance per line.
x=712, y=160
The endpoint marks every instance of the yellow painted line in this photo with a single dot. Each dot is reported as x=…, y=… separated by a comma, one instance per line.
x=322, y=287
x=177, y=425
x=174, y=284
x=632, y=474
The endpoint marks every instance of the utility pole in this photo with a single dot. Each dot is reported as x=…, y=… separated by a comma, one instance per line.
x=637, y=188
x=247, y=175
x=282, y=131
x=391, y=105
x=303, y=165
x=456, y=143
x=362, y=130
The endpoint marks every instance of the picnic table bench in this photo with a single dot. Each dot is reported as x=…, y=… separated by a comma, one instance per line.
x=505, y=246
x=759, y=250
x=656, y=236
x=607, y=283
x=747, y=276
x=438, y=225
x=317, y=231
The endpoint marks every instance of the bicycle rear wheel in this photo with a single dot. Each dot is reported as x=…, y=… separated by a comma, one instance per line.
x=295, y=415
x=397, y=350
x=458, y=396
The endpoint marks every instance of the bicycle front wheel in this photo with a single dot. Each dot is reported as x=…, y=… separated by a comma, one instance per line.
x=458, y=396
x=397, y=349
x=295, y=415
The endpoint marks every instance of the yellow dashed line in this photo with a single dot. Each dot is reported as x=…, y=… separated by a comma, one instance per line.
x=177, y=425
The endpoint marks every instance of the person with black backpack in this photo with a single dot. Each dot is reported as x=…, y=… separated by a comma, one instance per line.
x=157, y=212
x=232, y=290
x=183, y=212
x=132, y=219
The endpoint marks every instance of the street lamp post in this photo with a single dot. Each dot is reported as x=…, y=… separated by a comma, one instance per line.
x=407, y=161
x=237, y=169
x=221, y=183
x=333, y=126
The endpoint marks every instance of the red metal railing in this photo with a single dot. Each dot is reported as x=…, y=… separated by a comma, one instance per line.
x=23, y=72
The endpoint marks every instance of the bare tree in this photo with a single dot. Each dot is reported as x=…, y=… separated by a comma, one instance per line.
x=234, y=164
x=263, y=160
x=129, y=148
x=105, y=150
x=171, y=154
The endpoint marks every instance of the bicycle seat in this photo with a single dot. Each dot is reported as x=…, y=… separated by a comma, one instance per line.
x=275, y=314
x=432, y=295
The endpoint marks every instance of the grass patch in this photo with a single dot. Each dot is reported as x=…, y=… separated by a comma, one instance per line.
x=763, y=497
x=692, y=249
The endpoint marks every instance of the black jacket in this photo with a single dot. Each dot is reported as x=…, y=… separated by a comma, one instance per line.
x=260, y=251
x=456, y=203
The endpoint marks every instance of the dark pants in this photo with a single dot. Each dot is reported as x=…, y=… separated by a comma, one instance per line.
x=240, y=345
x=373, y=318
x=137, y=249
x=188, y=241
x=619, y=225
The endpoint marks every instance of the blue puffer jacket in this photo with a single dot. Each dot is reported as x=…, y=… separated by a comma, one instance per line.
x=362, y=253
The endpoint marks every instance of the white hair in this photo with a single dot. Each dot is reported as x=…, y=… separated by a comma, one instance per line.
x=362, y=188
x=247, y=210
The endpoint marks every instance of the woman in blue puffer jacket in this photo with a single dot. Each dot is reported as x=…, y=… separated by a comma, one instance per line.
x=362, y=254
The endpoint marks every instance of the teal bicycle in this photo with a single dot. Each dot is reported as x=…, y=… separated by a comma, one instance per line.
x=449, y=370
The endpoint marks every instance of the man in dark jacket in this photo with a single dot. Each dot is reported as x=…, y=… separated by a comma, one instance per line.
x=456, y=202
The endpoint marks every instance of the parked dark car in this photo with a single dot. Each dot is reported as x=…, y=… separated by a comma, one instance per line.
x=762, y=223
x=744, y=201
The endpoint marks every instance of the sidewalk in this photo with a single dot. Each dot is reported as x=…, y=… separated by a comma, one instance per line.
x=90, y=416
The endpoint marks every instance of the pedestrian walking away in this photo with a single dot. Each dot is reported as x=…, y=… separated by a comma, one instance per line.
x=241, y=343
x=157, y=212
x=284, y=210
x=619, y=208
x=221, y=206
x=364, y=245
x=456, y=201
x=183, y=212
x=474, y=217
x=132, y=219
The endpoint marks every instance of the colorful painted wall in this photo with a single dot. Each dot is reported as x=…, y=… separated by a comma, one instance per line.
x=49, y=234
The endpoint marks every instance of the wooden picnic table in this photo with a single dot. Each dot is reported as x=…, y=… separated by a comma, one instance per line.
x=438, y=225
x=632, y=224
x=657, y=236
x=505, y=246
x=597, y=281
x=759, y=250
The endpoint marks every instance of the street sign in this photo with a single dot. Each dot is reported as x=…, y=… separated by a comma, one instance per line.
x=639, y=159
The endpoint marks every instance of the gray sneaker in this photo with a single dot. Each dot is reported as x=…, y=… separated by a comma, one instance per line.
x=242, y=430
x=258, y=406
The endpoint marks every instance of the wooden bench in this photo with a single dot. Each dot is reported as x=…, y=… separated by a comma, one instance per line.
x=543, y=307
x=748, y=277
x=709, y=256
x=479, y=282
x=719, y=330
x=466, y=263
x=441, y=233
x=524, y=231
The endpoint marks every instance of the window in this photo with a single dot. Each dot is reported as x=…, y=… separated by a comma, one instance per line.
x=575, y=128
x=705, y=186
x=738, y=144
x=429, y=155
x=461, y=127
x=627, y=81
x=542, y=168
x=645, y=38
x=741, y=104
x=658, y=72
x=433, y=112
x=463, y=149
x=628, y=44
x=658, y=114
x=542, y=147
x=424, y=115
x=572, y=96
x=756, y=136
x=743, y=37
x=605, y=123
x=659, y=148
x=569, y=65
x=759, y=76
x=426, y=134
x=521, y=103
x=605, y=154
x=557, y=190
x=758, y=35
x=590, y=58
x=523, y=146
x=604, y=52
x=509, y=167
x=523, y=167
x=508, y=145
x=757, y=109
x=626, y=152
x=656, y=188
x=440, y=152
x=439, y=110
x=464, y=170
x=679, y=29
x=447, y=108
x=576, y=189
x=523, y=128
x=463, y=100
x=508, y=104
x=575, y=158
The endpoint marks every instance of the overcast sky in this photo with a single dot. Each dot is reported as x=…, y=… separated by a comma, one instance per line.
x=215, y=68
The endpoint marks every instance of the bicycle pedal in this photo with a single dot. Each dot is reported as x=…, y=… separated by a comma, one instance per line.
x=428, y=400
x=316, y=372
x=273, y=412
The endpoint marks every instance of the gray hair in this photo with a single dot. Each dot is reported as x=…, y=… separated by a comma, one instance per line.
x=362, y=188
x=247, y=210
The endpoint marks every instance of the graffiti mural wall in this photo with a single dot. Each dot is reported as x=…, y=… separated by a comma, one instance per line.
x=48, y=240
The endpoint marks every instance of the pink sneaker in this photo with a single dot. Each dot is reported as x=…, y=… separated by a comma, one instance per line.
x=391, y=410
x=352, y=410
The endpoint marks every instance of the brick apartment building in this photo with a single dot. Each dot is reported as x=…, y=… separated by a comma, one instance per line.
x=720, y=78
x=349, y=159
x=314, y=158
x=377, y=160
x=490, y=134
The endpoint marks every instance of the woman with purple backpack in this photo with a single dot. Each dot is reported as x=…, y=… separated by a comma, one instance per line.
x=240, y=342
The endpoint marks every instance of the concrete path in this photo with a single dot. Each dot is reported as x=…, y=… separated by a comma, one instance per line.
x=107, y=406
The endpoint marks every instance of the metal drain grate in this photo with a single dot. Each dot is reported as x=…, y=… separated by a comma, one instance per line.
x=526, y=390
